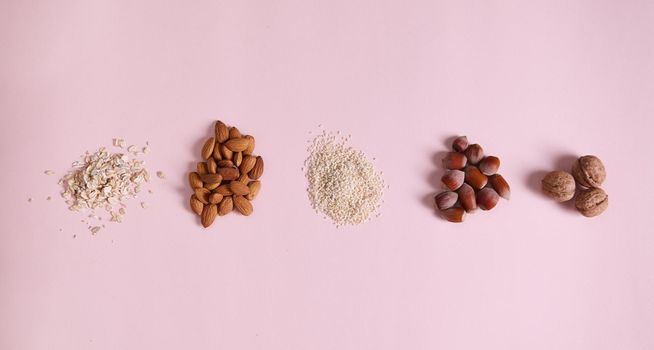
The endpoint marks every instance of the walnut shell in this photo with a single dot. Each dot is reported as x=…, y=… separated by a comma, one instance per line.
x=592, y=202
x=589, y=171
x=559, y=185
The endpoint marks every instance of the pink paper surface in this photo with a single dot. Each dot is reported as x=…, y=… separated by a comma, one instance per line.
x=535, y=82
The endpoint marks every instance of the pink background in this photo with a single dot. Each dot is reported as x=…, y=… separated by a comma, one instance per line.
x=534, y=82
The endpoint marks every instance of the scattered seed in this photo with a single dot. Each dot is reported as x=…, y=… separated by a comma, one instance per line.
x=161, y=175
x=29, y=200
x=95, y=229
x=146, y=150
x=144, y=205
x=48, y=198
x=49, y=172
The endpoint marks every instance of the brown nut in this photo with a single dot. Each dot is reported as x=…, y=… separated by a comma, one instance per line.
x=446, y=200
x=225, y=206
x=196, y=205
x=453, y=179
x=559, y=185
x=207, y=148
x=211, y=178
x=454, y=214
x=454, y=160
x=208, y=215
x=475, y=178
x=222, y=132
x=592, y=202
x=474, y=153
x=500, y=186
x=243, y=205
x=194, y=180
x=489, y=165
x=589, y=171
x=460, y=144
x=467, y=198
x=228, y=174
x=234, y=133
x=215, y=198
x=487, y=198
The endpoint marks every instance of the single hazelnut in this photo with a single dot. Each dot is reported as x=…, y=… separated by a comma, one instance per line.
x=489, y=165
x=446, y=200
x=592, y=202
x=467, y=198
x=589, y=171
x=454, y=160
x=487, y=198
x=475, y=178
x=454, y=214
x=500, y=186
x=453, y=179
x=559, y=185
x=460, y=144
x=474, y=153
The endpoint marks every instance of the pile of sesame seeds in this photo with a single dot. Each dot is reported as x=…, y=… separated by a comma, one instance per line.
x=343, y=184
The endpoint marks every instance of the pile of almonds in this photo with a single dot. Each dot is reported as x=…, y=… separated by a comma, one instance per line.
x=589, y=173
x=471, y=181
x=228, y=178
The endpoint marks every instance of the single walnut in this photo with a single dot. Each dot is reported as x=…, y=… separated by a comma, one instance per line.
x=592, y=202
x=559, y=185
x=589, y=171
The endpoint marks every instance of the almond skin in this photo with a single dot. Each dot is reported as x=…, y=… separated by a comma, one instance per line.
x=228, y=174
x=215, y=198
x=212, y=187
x=216, y=152
x=250, y=149
x=209, y=214
x=222, y=133
x=226, y=152
x=202, y=168
x=211, y=178
x=238, y=188
x=237, y=158
x=224, y=190
x=237, y=145
x=254, y=186
x=247, y=164
x=196, y=205
x=244, y=179
x=211, y=166
x=234, y=133
x=207, y=149
x=194, y=180
x=202, y=194
x=257, y=170
x=226, y=205
x=225, y=163
x=243, y=205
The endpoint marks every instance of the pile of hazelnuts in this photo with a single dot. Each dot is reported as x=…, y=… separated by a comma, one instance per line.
x=584, y=181
x=471, y=181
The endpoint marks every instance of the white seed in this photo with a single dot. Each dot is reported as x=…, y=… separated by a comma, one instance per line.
x=49, y=172
x=343, y=184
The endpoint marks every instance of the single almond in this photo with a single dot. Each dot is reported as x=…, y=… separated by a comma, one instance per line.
x=215, y=198
x=209, y=214
x=257, y=170
x=212, y=187
x=247, y=164
x=225, y=163
x=207, y=149
x=222, y=133
x=216, y=151
x=202, y=168
x=202, y=194
x=228, y=174
x=226, y=152
x=211, y=178
x=250, y=149
x=238, y=188
x=226, y=205
x=234, y=133
x=196, y=205
x=194, y=180
x=243, y=205
x=244, y=179
x=211, y=165
x=224, y=190
x=237, y=158
x=254, y=186
x=237, y=145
